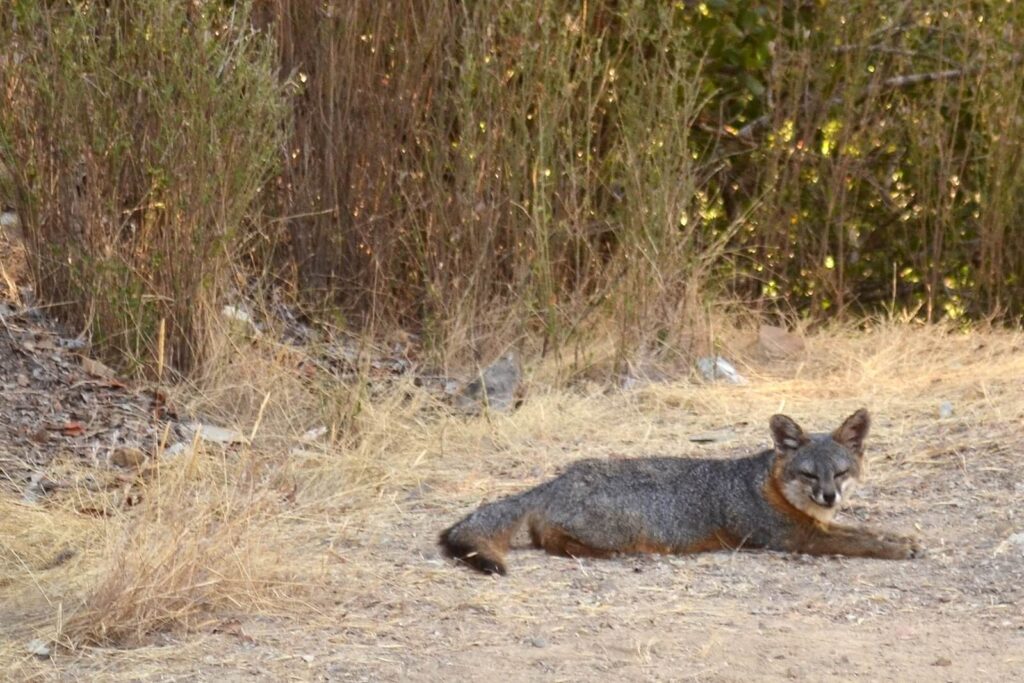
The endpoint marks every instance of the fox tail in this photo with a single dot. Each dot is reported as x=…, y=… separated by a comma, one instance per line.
x=481, y=539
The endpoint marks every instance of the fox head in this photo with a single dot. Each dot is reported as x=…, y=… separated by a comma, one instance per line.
x=815, y=472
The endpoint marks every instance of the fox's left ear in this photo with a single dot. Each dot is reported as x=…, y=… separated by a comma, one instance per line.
x=853, y=431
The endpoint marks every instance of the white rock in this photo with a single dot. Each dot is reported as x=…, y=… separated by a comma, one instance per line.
x=215, y=434
x=40, y=648
x=718, y=368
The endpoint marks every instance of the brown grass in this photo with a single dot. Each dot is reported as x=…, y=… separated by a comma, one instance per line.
x=187, y=539
x=207, y=543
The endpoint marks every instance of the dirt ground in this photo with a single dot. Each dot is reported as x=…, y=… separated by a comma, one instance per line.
x=375, y=600
x=956, y=615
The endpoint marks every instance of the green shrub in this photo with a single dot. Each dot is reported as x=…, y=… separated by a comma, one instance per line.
x=492, y=169
x=487, y=171
x=139, y=135
x=498, y=168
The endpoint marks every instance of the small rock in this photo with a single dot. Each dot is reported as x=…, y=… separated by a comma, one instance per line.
x=1017, y=540
x=220, y=435
x=539, y=641
x=495, y=389
x=945, y=410
x=40, y=648
x=943, y=661
x=718, y=368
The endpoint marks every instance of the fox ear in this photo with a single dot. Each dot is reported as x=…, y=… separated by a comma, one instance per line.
x=853, y=431
x=787, y=434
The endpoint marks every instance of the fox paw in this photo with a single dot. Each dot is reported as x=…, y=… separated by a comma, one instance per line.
x=907, y=547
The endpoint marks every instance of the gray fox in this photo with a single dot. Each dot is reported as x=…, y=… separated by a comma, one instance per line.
x=783, y=498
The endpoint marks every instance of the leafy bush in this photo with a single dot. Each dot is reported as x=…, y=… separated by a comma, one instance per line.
x=139, y=136
x=486, y=171
x=458, y=165
x=466, y=168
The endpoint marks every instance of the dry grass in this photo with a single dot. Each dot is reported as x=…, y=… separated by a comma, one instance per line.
x=207, y=543
x=187, y=540
x=299, y=535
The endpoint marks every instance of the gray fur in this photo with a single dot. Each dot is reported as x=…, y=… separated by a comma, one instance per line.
x=781, y=499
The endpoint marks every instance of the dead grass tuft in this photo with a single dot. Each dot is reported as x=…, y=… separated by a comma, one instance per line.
x=206, y=541
x=256, y=385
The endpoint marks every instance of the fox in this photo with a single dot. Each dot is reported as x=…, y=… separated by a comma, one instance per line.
x=783, y=498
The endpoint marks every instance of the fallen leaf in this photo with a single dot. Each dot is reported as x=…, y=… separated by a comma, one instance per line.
x=96, y=368
x=128, y=457
x=72, y=429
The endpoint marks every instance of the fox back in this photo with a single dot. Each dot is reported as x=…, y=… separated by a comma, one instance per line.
x=783, y=498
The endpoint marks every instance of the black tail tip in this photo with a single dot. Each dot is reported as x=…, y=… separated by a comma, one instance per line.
x=465, y=553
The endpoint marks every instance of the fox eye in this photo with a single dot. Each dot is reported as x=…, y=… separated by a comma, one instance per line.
x=809, y=476
x=840, y=475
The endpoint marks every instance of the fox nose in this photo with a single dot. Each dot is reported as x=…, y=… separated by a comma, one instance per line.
x=829, y=497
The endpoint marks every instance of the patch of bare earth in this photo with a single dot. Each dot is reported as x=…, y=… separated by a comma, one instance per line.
x=375, y=601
